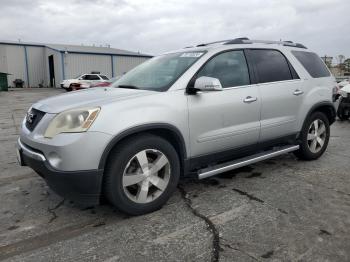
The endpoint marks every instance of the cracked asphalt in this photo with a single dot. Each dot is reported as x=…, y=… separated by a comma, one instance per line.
x=278, y=210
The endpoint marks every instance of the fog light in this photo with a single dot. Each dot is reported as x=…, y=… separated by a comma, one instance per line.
x=54, y=159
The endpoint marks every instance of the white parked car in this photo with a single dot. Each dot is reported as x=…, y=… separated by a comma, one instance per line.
x=83, y=79
x=343, y=111
x=343, y=83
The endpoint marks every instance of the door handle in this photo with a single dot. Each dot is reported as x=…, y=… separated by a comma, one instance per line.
x=298, y=92
x=250, y=99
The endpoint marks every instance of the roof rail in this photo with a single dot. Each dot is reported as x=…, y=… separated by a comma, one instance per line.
x=211, y=43
x=244, y=40
x=240, y=40
x=300, y=45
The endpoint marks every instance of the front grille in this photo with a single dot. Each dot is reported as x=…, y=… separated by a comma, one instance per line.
x=33, y=118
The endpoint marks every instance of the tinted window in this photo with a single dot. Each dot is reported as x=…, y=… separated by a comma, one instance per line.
x=312, y=63
x=86, y=77
x=93, y=77
x=271, y=66
x=229, y=67
x=104, y=77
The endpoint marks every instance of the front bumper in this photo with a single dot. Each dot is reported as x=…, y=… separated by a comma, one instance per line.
x=83, y=187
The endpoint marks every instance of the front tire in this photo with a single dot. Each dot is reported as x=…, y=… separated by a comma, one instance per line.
x=141, y=174
x=69, y=89
x=314, y=137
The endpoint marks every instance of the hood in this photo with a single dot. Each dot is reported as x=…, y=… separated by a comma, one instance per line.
x=87, y=98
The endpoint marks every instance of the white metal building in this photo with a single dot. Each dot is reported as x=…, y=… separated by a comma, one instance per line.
x=48, y=64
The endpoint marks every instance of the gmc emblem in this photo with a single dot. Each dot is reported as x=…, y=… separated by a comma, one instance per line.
x=30, y=117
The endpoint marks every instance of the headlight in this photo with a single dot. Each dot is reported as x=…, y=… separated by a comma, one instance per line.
x=72, y=121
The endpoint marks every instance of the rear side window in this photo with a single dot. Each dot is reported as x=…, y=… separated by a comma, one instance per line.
x=104, y=77
x=229, y=67
x=271, y=66
x=312, y=63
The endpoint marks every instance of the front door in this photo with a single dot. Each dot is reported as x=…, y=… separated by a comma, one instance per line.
x=228, y=119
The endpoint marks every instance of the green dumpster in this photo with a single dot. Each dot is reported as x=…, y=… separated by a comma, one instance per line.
x=3, y=82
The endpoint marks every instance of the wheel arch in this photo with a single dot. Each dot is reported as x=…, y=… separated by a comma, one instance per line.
x=166, y=131
x=325, y=107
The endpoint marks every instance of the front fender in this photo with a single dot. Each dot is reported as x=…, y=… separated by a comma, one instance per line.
x=162, y=108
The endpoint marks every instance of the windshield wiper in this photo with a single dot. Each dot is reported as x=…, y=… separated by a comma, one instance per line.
x=128, y=86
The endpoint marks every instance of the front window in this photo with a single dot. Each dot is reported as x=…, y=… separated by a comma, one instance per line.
x=229, y=67
x=158, y=73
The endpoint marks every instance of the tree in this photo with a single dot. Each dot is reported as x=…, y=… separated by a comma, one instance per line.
x=347, y=65
x=340, y=59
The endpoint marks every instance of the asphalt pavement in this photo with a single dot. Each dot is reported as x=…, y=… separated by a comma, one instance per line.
x=282, y=209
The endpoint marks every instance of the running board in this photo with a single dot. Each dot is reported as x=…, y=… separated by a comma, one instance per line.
x=220, y=168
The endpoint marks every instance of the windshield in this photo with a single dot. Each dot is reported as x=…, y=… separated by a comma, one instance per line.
x=158, y=73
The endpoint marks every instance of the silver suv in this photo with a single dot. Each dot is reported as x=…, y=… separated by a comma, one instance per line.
x=199, y=110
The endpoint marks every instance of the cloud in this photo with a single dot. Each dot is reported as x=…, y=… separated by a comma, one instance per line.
x=155, y=26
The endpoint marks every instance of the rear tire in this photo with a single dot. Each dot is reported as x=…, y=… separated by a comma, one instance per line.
x=141, y=174
x=314, y=137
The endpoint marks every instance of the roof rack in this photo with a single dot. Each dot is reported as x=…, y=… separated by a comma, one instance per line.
x=245, y=40
x=211, y=43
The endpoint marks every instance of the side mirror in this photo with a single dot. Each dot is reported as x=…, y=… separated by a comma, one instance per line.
x=205, y=83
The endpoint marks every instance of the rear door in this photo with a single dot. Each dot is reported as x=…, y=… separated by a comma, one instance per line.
x=94, y=78
x=281, y=92
x=228, y=119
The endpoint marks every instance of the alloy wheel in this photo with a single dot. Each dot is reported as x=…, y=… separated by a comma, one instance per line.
x=316, y=136
x=146, y=176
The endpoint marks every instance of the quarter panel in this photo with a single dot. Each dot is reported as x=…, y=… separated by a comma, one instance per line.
x=318, y=90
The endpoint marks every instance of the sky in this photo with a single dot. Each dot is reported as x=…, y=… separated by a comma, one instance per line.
x=156, y=26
